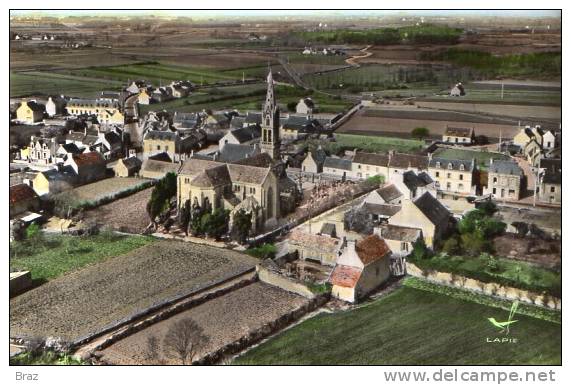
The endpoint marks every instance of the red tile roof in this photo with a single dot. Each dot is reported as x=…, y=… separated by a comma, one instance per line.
x=345, y=276
x=88, y=159
x=371, y=249
x=21, y=192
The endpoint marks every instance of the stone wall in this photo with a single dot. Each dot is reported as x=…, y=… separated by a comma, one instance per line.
x=20, y=282
x=286, y=283
x=488, y=288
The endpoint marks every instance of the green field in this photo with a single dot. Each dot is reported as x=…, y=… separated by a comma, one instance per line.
x=377, y=143
x=482, y=158
x=52, y=255
x=411, y=327
x=508, y=272
x=49, y=83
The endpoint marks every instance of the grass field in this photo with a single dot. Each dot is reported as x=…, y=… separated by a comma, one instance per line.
x=482, y=158
x=508, y=272
x=411, y=327
x=377, y=143
x=55, y=255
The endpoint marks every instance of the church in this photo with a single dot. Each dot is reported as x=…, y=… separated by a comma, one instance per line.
x=257, y=184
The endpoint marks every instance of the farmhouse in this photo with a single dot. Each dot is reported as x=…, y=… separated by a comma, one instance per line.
x=453, y=176
x=504, y=179
x=305, y=106
x=55, y=181
x=127, y=167
x=412, y=185
x=337, y=166
x=89, y=167
x=30, y=112
x=361, y=268
x=314, y=161
x=458, y=90
x=367, y=164
x=315, y=247
x=23, y=198
x=425, y=213
x=550, y=181
x=387, y=194
x=459, y=135
x=399, y=239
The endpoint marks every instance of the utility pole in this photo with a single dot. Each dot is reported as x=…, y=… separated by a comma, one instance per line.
x=502, y=97
x=500, y=142
x=243, y=77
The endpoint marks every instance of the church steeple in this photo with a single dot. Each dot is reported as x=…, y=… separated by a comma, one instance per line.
x=270, y=141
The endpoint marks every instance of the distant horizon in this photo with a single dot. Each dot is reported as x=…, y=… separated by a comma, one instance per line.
x=287, y=13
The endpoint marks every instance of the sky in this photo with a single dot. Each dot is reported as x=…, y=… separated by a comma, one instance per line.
x=281, y=13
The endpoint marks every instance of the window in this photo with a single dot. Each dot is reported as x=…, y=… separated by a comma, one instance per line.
x=404, y=246
x=437, y=174
x=495, y=180
x=460, y=187
x=438, y=164
x=461, y=167
x=449, y=175
x=461, y=176
x=494, y=190
x=448, y=186
x=552, y=189
x=158, y=146
x=449, y=166
x=359, y=167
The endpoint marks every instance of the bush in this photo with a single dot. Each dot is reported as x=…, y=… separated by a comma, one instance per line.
x=420, y=251
x=473, y=244
x=267, y=250
x=451, y=246
x=420, y=133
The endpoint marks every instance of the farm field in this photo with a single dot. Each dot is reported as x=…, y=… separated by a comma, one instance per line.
x=400, y=123
x=55, y=254
x=94, y=193
x=392, y=330
x=224, y=320
x=378, y=143
x=93, y=298
x=482, y=158
x=113, y=215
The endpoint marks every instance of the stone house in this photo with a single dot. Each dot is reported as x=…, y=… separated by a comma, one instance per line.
x=366, y=165
x=23, y=198
x=412, y=185
x=305, y=106
x=504, y=179
x=387, y=194
x=453, y=176
x=425, y=213
x=144, y=97
x=243, y=135
x=458, y=90
x=55, y=106
x=177, y=147
x=107, y=111
x=337, y=166
x=459, y=135
x=314, y=161
x=42, y=151
x=65, y=150
x=523, y=137
x=400, y=239
x=361, y=268
x=55, y=181
x=30, y=112
x=315, y=247
x=89, y=167
x=550, y=181
x=127, y=167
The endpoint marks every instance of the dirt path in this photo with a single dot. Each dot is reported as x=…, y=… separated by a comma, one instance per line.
x=353, y=59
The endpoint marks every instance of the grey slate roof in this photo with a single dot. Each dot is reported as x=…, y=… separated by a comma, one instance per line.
x=431, y=208
x=338, y=163
x=390, y=192
x=246, y=134
x=371, y=158
x=161, y=135
x=407, y=160
x=328, y=229
x=231, y=152
x=552, y=168
x=384, y=210
x=400, y=233
x=456, y=163
x=505, y=167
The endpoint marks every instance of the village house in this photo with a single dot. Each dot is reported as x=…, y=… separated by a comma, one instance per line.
x=399, y=239
x=320, y=248
x=107, y=110
x=337, y=166
x=458, y=90
x=89, y=167
x=386, y=194
x=65, y=150
x=161, y=94
x=40, y=151
x=550, y=181
x=30, y=112
x=177, y=147
x=243, y=135
x=305, y=106
x=137, y=86
x=55, y=181
x=366, y=165
x=55, y=106
x=453, y=176
x=232, y=153
x=412, y=184
x=361, y=268
x=314, y=161
x=144, y=97
x=295, y=127
x=459, y=135
x=23, y=198
x=425, y=213
x=504, y=179
x=127, y=167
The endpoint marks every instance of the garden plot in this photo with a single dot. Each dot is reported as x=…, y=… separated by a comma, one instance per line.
x=224, y=319
x=97, y=297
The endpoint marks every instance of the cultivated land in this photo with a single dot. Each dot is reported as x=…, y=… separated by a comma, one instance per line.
x=224, y=319
x=377, y=143
x=56, y=254
x=400, y=122
x=113, y=215
x=103, y=189
x=97, y=297
x=411, y=327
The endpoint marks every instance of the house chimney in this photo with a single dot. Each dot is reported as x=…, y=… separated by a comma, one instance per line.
x=378, y=231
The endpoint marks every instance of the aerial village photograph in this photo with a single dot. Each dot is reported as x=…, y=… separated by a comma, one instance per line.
x=293, y=187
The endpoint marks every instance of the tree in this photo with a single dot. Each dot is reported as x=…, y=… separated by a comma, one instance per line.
x=473, y=244
x=162, y=193
x=241, y=225
x=184, y=216
x=419, y=250
x=451, y=246
x=214, y=224
x=420, y=133
x=182, y=340
x=482, y=139
x=291, y=106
